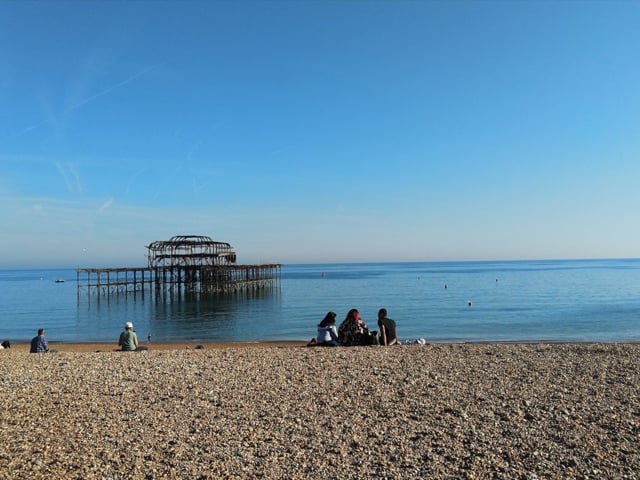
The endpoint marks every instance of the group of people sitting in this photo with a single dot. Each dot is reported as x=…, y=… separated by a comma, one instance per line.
x=354, y=332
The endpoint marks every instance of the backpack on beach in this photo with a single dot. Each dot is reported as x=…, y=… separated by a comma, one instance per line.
x=369, y=338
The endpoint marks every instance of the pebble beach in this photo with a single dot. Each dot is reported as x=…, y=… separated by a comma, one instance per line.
x=507, y=411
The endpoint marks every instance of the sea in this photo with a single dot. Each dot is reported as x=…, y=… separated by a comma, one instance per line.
x=489, y=301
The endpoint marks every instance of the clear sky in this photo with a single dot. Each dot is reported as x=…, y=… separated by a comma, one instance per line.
x=330, y=131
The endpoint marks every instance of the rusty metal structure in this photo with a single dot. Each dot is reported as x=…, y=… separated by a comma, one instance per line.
x=184, y=263
x=190, y=251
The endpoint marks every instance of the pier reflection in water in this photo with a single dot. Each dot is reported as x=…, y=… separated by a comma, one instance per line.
x=184, y=317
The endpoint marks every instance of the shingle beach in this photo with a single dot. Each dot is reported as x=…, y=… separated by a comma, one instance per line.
x=414, y=411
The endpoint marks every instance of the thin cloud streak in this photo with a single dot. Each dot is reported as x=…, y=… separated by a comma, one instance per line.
x=76, y=177
x=112, y=88
x=106, y=204
x=90, y=99
x=70, y=176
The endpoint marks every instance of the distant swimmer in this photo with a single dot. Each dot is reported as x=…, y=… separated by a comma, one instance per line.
x=469, y=303
x=445, y=286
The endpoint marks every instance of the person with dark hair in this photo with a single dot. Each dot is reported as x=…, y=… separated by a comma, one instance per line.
x=353, y=331
x=388, y=332
x=5, y=344
x=327, y=334
x=39, y=344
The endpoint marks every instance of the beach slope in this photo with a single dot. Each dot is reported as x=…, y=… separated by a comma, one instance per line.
x=432, y=411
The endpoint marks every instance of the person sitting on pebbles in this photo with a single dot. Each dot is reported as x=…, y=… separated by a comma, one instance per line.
x=327, y=334
x=128, y=341
x=353, y=331
x=39, y=344
x=388, y=332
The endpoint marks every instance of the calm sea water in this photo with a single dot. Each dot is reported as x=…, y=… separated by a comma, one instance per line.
x=586, y=300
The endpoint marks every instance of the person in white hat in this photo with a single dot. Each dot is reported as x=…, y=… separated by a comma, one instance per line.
x=128, y=341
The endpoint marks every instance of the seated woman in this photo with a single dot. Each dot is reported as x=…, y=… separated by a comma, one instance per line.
x=128, y=341
x=327, y=334
x=353, y=331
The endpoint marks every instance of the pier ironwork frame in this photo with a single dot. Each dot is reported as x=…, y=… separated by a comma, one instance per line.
x=189, y=263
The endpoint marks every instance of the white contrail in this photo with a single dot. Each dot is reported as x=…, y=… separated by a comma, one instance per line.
x=112, y=88
x=91, y=98
x=74, y=172
x=34, y=126
x=68, y=181
x=64, y=176
x=106, y=204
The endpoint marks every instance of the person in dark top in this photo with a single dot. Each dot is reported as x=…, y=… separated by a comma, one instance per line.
x=39, y=344
x=353, y=331
x=388, y=332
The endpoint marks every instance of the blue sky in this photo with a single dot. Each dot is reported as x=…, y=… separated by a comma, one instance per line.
x=319, y=131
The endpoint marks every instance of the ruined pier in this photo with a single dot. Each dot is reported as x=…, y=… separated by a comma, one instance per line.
x=185, y=263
